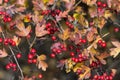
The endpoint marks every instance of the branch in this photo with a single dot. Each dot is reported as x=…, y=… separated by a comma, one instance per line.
x=22, y=76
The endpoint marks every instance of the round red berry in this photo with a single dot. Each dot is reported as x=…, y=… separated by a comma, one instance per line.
x=40, y=76
x=116, y=29
x=52, y=55
x=99, y=3
x=19, y=55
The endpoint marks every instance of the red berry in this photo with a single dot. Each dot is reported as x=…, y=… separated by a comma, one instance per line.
x=13, y=43
x=72, y=54
x=1, y=40
x=29, y=61
x=6, y=1
x=53, y=38
x=34, y=61
x=40, y=76
x=33, y=50
x=78, y=71
x=7, y=67
x=73, y=59
x=67, y=23
x=99, y=9
x=52, y=55
x=99, y=41
x=58, y=51
x=76, y=60
x=84, y=41
x=30, y=56
x=99, y=3
x=95, y=76
x=103, y=44
x=9, y=19
x=19, y=55
x=14, y=65
x=116, y=29
x=104, y=5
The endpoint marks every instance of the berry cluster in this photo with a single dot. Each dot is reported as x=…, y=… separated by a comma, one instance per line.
x=51, y=12
x=101, y=6
x=50, y=28
x=95, y=64
x=32, y=56
x=12, y=66
x=79, y=58
x=102, y=43
x=6, y=17
x=58, y=50
x=70, y=25
x=105, y=76
x=7, y=41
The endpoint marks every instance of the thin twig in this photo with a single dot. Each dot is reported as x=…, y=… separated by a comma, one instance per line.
x=33, y=42
x=77, y=4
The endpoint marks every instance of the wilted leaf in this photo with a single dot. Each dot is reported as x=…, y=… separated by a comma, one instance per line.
x=116, y=43
x=40, y=30
x=22, y=30
x=89, y=2
x=41, y=62
x=3, y=53
x=21, y=2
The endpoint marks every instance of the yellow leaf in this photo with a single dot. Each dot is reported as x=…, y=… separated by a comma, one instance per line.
x=107, y=14
x=45, y=1
x=69, y=64
x=41, y=62
x=65, y=35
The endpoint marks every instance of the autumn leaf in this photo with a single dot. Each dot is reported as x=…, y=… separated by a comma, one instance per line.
x=107, y=14
x=102, y=56
x=91, y=34
x=41, y=64
x=40, y=30
x=16, y=40
x=21, y=2
x=3, y=53
x=69, y=64
x=65, y=35
x=22, y=31
x=115, y=51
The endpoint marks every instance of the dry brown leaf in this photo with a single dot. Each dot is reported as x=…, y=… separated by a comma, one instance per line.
x=3, y=53
x=41, y=64
x=89, y=2
x=22, y=30
x=107, y=14
x=40, y=30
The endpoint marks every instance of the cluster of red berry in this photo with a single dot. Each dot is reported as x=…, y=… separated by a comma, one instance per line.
x=59, y=50
x=102, y=43
x=50, y=28
x=95, y=64
x=6, y=17
x=51, y=12
x=105, y=76
x=12, y=66
x=79, y=58
x=7, y=41
x=101, y=5
x=32, y=56
x=70, y=25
